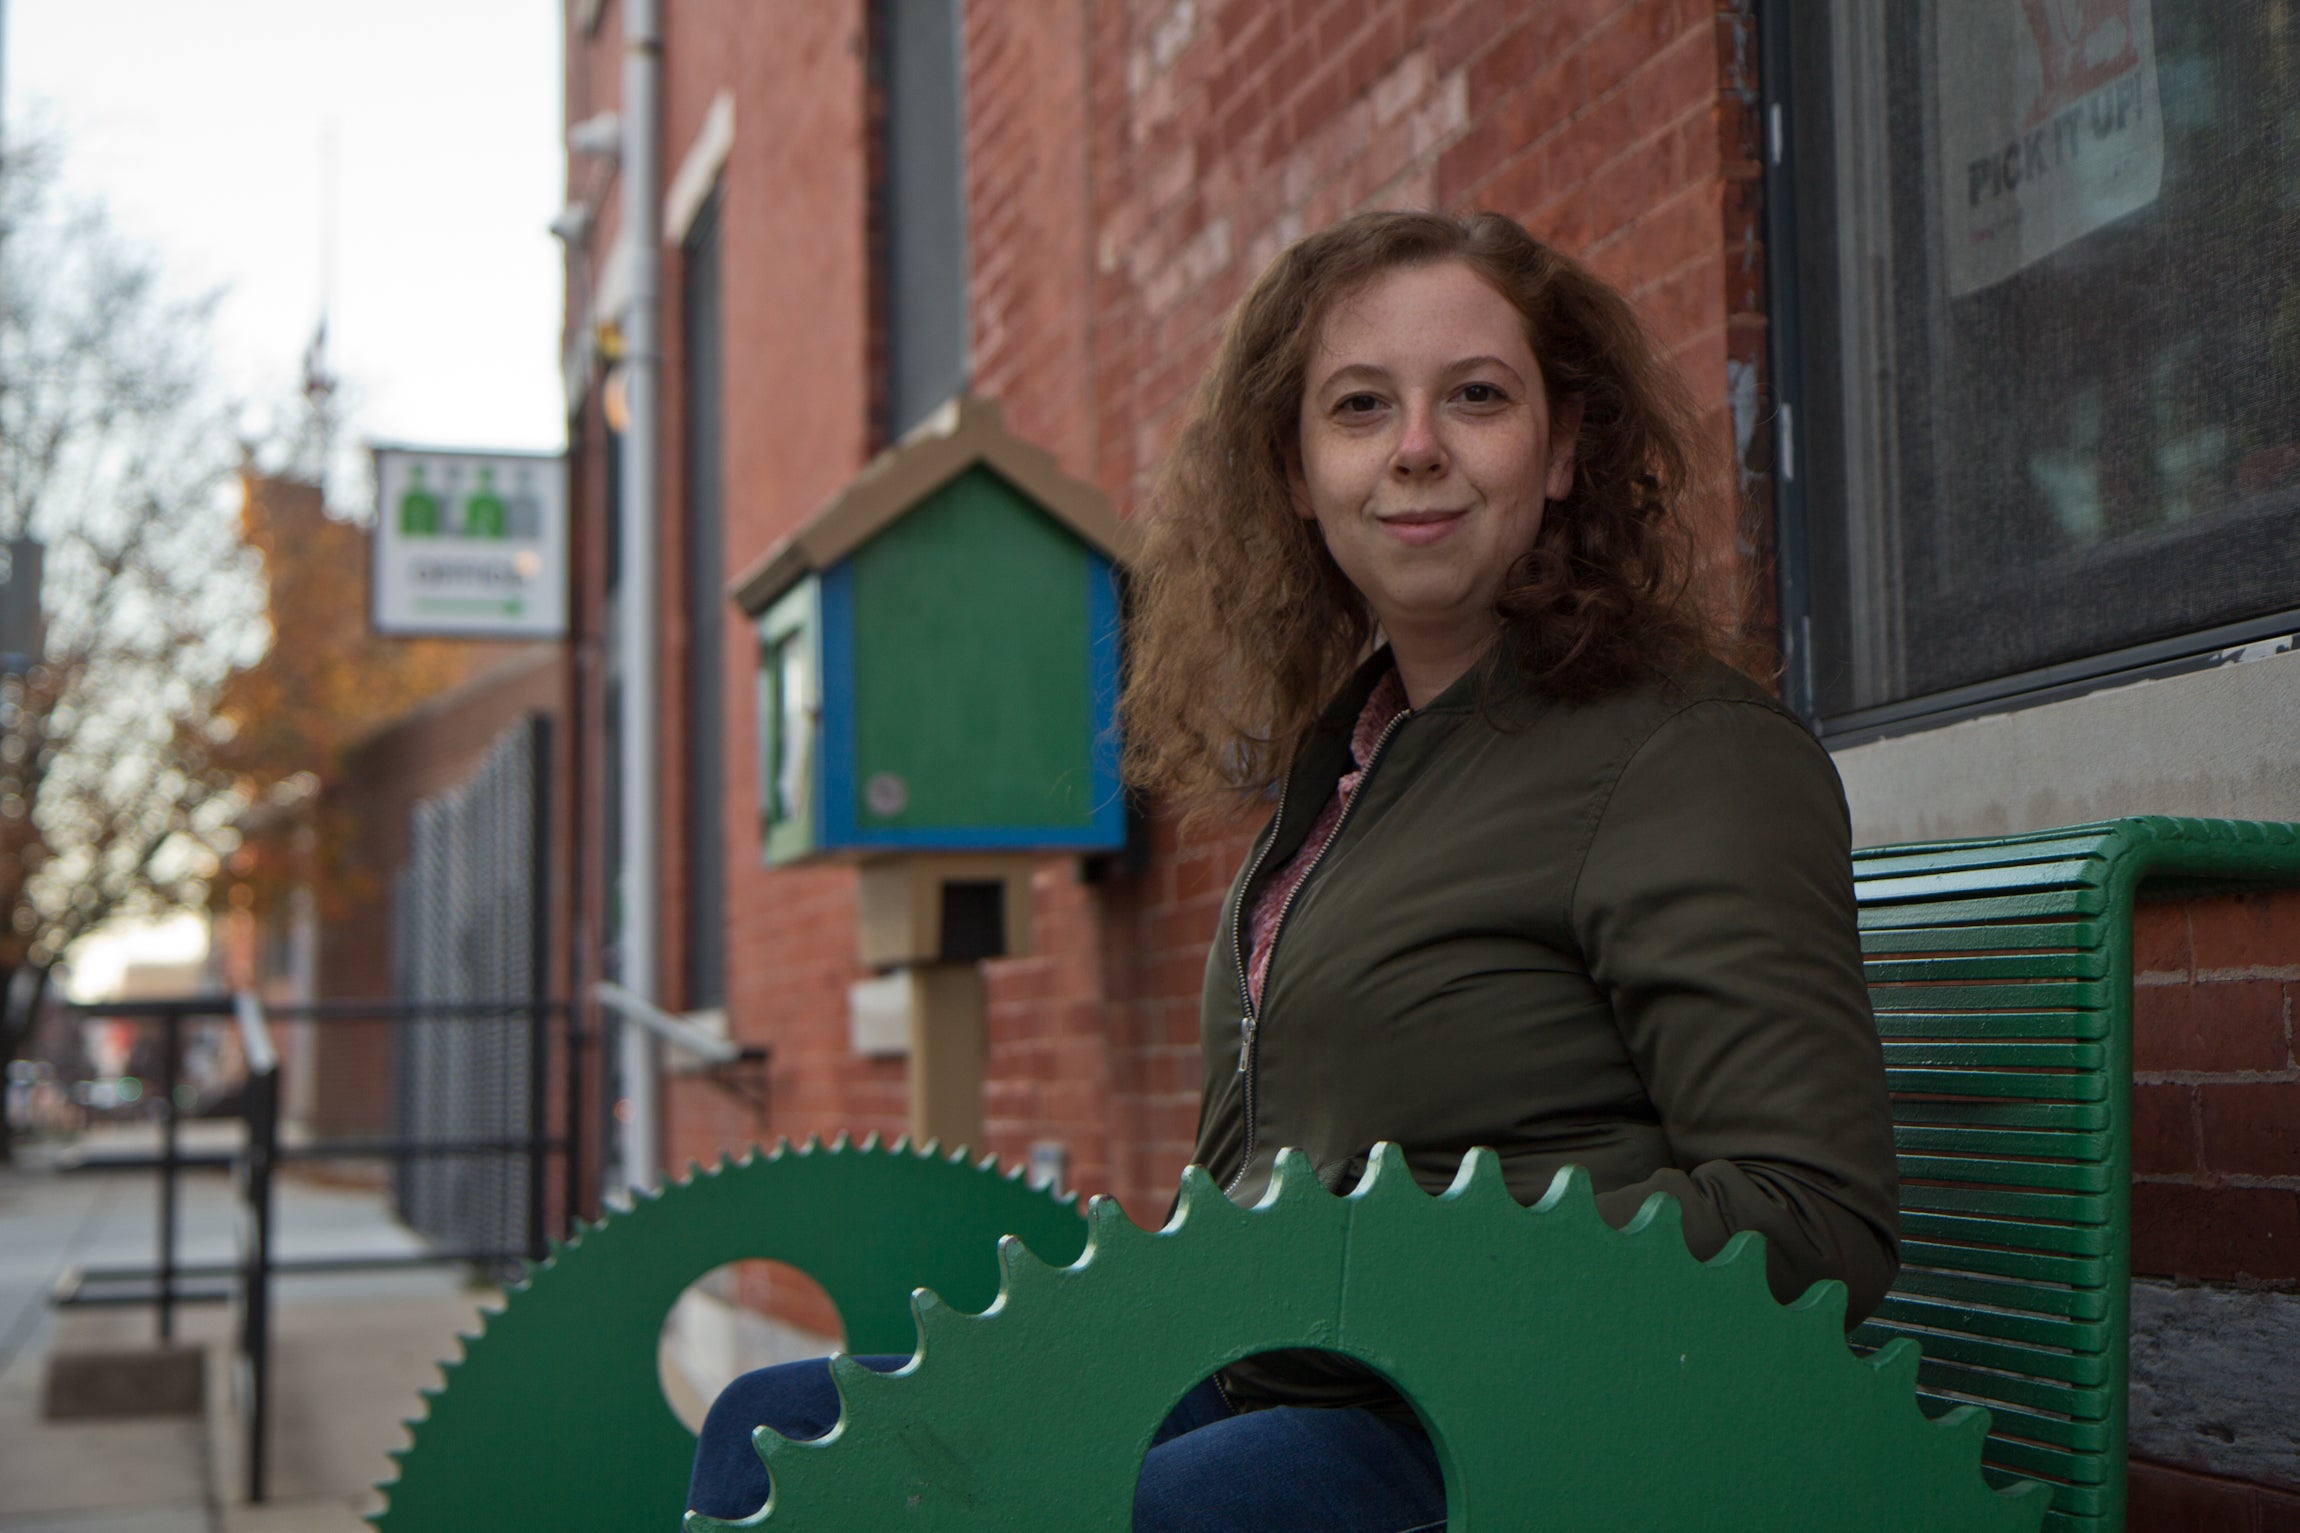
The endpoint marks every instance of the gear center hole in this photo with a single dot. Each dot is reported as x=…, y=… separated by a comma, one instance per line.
x=734, y=1318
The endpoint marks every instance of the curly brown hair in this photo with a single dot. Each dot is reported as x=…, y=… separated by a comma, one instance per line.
x=1242, y=626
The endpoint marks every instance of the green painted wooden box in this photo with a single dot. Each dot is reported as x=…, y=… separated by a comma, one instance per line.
x=938, y=657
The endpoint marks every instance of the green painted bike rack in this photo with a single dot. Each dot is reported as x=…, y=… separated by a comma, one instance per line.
x=554, y=1417
x=1574, y=1376
x=2001, y=973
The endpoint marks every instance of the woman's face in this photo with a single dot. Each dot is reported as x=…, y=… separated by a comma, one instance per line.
x=1427, y=450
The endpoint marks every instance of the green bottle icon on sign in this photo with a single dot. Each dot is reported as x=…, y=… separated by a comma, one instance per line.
x=418, y=507
x=483, y=512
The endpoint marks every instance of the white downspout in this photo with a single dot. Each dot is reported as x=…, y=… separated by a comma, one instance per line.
x=640, y=1060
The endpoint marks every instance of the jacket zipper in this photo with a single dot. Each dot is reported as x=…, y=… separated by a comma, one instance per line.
x=1249, y=1025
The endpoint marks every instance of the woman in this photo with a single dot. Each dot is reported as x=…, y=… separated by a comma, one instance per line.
x=1542, y=874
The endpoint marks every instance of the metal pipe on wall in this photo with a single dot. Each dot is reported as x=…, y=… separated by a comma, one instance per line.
x=639, y=1059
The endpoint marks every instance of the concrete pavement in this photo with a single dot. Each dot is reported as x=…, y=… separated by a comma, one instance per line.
x=349, y=1353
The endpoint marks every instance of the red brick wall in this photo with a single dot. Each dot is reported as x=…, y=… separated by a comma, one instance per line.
x=2165, y=1500
x=1161, y=160
x=798, y=392
x=2216, y=1092
x=2216, y=1144
x=1130, y=166
x=1129, y=169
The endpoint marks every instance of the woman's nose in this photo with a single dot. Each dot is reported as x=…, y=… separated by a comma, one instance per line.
x=1420, y=450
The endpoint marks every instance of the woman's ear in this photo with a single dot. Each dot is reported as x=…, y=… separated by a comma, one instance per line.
x=1564, y=438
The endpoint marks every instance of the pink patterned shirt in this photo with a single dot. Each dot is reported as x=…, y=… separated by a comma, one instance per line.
x=1384, y=703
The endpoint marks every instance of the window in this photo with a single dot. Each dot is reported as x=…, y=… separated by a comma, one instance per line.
x=2042, y=371
x=922, y=206
x=789, y=698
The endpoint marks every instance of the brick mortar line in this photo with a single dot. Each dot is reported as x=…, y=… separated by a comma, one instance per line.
x=2285, y=1076
x=2241, y=1180
x=2162, y=979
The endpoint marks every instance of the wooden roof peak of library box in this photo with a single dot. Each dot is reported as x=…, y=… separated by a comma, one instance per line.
x=965, y=433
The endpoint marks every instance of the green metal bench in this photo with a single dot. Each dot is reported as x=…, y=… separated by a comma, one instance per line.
x=2001, y=973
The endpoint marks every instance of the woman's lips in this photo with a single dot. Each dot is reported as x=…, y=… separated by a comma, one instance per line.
x=1419, y=529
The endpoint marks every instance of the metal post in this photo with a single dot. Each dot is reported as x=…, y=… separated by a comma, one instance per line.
x=263, y=1134
x=642, y=56
x=260, y=1103
x=578, y=1060
x=171, y=1038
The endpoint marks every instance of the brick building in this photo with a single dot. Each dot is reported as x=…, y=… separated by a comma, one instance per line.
x=1051, y=204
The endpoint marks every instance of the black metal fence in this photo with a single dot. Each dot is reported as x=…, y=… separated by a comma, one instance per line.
x=553, y=1047
x=469, y=912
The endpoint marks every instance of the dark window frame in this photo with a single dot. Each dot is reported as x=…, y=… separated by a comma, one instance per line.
x=703, y=407
x=918, y=76
x=1789, y=296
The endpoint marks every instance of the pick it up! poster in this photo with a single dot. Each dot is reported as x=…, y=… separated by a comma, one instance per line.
x=2049, y=127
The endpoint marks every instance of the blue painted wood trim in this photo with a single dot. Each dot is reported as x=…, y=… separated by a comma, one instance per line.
x=1102, y=638
x=978, y=838
x=837, y=823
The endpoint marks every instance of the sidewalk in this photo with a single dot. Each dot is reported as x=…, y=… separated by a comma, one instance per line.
x=348, y=1354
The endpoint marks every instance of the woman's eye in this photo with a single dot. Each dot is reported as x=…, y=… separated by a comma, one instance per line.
x=1356, y=404
x=1482, y=394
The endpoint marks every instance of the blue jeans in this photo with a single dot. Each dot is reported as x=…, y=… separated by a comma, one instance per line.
x=1209, y=1469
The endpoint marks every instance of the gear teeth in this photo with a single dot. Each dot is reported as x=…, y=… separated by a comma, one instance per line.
x=1478, y=1181
x=1895, y=1364
x=1742, y=1261
x=1570, y=1192
x=1967, y=1422
x=1293, y=1181
x=552, y=1317
x=930, y=1316
x=797, y=1468
x=858, y=1385
x=1019, y=1271
x=1659, y=1214
x=814, y=1143
x=930, y=1150
x=840, y=1143
x=1386, y=1177
x=1198, y=1193
x=1107, y=1228
x=1825, y=1302
x=1098, y=1305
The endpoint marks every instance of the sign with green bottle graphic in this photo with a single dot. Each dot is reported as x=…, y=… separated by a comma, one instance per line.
x=469, y=544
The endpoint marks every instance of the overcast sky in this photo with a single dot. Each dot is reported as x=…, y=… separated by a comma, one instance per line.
x=199, y=124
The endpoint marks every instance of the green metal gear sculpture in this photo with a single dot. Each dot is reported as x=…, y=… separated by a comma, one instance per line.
x=554, y=1417
x=1574, y=1377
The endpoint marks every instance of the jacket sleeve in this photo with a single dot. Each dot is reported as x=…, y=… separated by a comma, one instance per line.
x=1715, y=910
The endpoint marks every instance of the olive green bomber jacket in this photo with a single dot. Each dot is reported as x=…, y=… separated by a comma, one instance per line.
x=1619, y=934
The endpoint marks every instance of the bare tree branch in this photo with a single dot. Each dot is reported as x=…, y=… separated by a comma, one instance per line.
x=119, y=457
